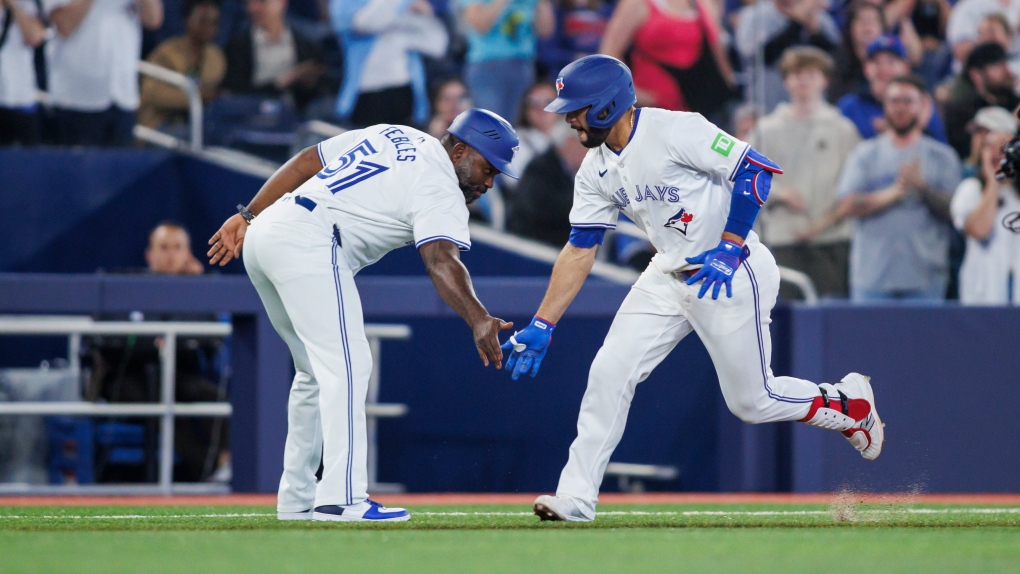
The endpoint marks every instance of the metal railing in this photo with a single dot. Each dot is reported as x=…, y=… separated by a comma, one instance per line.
x=546, y=254
x=166, y=409
x=376, y=410
x=195, y=111
x=74, y=327
x=796, y=278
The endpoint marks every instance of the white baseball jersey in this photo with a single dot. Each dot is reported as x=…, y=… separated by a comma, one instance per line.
x=97, y=65
x=17, y=65
x=673, y=179
x=385, y=187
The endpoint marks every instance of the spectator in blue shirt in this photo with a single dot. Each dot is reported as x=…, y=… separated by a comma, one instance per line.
x=501, y=37
x=580, y=25
x=886, y=60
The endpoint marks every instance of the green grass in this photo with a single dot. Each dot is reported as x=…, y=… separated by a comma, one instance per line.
x=670, y=538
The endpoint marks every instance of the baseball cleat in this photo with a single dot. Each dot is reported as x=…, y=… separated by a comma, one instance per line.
x=557, y=508
x=302, y=515
x=367, y=511
x=849, y=407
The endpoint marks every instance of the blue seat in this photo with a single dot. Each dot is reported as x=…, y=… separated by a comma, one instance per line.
x=74, y=442
x=71, y=449
x=124, y=442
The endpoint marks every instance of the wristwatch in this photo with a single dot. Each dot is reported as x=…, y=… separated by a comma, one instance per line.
x=247, y=215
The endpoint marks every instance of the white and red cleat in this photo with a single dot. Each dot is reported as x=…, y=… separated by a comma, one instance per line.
x=849, y=407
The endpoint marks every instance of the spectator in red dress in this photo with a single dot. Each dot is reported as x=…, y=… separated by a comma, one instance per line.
x=675, y=54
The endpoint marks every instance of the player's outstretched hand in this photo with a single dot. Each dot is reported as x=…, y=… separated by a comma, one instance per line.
x=529, y=346
x=226, y=243
x=718, y=266
x=486, y=334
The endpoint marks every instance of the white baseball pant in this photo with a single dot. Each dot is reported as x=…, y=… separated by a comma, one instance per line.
x=659, y=311
x=294, y=260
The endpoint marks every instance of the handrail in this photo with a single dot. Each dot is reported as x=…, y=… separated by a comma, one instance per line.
x=800, y=280
x=190, y=88
x=546, y=254
x=167, y=409
x=796, y=278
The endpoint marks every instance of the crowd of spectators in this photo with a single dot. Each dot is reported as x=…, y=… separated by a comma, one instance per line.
x=887, y=115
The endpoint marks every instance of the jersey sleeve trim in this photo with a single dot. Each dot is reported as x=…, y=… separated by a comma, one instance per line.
x=736, y=168
x=463, y=246
x=593, y=225
x=318, y=148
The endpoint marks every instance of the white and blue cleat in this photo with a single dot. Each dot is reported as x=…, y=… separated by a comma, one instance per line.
x=367, y=511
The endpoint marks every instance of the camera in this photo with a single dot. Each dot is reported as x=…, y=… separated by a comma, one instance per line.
x=1009, y=169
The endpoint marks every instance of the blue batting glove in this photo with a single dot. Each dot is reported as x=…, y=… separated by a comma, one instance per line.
x=718, y=266
x=529, y=346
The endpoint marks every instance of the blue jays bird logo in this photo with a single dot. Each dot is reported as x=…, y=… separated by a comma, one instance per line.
x=680, y=220
x=559, y=85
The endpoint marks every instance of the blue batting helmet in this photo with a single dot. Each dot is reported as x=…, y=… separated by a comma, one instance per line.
x=602, y=82
x=490, y=135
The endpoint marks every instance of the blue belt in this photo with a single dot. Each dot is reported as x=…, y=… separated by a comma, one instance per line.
x=304, y=202
x=685, y=275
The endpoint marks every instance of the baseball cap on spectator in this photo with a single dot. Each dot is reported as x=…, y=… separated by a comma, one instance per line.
x=889, y=44
x=984, y=55
x=994, y=119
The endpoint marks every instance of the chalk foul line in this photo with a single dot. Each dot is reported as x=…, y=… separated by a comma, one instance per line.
x=862, y=512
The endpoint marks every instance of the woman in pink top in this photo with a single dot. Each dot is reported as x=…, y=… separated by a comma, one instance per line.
x=676, y=58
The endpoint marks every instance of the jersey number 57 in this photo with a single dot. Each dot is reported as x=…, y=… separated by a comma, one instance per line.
x=347, y=170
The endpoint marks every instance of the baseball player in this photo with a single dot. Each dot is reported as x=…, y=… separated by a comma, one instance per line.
x=328, y=212
x=696, y=192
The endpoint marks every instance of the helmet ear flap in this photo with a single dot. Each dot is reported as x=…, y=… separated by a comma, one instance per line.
x=605, y=112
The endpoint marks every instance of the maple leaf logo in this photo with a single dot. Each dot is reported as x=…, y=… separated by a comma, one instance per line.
x=686, y=218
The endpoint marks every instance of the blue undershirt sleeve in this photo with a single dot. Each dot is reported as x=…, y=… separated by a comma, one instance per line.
x=586, y=238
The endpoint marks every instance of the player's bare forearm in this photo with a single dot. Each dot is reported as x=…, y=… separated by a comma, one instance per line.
x=733, y=237
x=569, y=273
x=453, y=282
x=289, y=177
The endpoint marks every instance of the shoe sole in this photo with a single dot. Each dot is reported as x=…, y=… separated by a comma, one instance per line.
x=546, y=513
x=322, y=517
x=878, y=429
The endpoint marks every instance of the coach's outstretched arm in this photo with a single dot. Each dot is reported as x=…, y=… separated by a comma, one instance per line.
x=453, y=282
x=569, y=273
x=226, y=243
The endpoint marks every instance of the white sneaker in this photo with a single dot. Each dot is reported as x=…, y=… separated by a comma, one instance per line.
x=303, y=515
x=849, y=407
x=557, y=508
x=367, y=511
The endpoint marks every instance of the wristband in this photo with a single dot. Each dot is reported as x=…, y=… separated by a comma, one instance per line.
x=247, y=215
